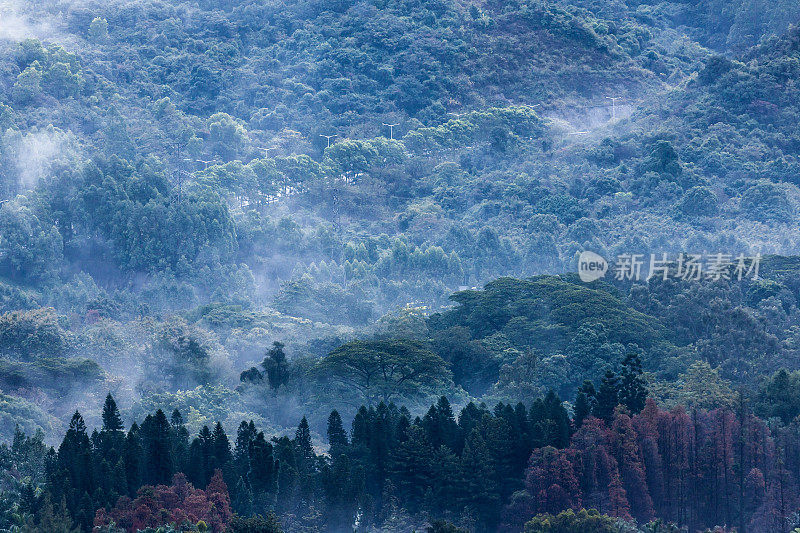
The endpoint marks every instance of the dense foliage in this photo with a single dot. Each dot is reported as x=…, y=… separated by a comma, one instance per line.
x=272, y=211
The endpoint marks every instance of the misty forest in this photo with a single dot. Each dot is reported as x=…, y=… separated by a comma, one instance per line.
x=295, y=266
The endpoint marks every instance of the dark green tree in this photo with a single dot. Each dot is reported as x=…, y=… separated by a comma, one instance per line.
x=632, y=384
x=112, y=422
x=302, y=439
x=157, y=464
x=337, y=436
x=276, y=366
x=585, y=402
x=607, y=396
x=255, y=524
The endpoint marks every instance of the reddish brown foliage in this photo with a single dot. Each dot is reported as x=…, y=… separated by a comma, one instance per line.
x=175, y=504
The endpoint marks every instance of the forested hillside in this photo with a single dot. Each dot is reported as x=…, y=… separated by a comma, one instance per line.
x=314, y=266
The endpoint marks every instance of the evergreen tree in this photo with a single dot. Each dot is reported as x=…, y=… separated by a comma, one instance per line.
x=112, y=422
x=264, y=470
x=479, y=490
x=607, y=396
x=75, y=470
x=54, y=520
x=245, y=436
x=243, y=501
x=276, y=366
x=255, y=524
x=337, y=436
x=441, y=427
x=201, y=458
x=302, y=439
x=180, y=441
x=558, y=421
x=585, y=402
x=632, y=384
x=131, y=457
x=411, y=468
x=222, y=449
x=85, y=512
x=157, y=443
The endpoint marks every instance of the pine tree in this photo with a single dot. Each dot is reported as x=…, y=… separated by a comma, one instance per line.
x=585, y=402
x=75, y=470
x=632, y=384
x=109, y=445
x=180, y=441
x=302, y=439
x=222, y=449
x=337, y=436
x=201, y=458
x=607, y=396
x=54, y=520
x=558, y=418
x=158, y=464
x=479, y=491
x=243, y=501
x=441, y=427
x=411, y=469
x=342, y=485
x=85, y=512
x=112, y=421
x=245, y=436
x=131, y=457
x=264, y=470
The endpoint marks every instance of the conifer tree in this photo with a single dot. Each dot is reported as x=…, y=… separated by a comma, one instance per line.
x=440, y=425
x=479, y=490
x=157, y=443
x=112, y=422
x=180, y=441
x=411, y=469
x=243, y=450
x=632, y=384
x=201, y=458
x=585, y=402
x=222, y=450
x=131, y=457
x=75, y=471
x=264, y=469
x=302, y=439
x=607, y=396
x=337, y=436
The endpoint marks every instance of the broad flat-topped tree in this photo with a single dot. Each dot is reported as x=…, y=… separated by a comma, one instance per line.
x=385, y=370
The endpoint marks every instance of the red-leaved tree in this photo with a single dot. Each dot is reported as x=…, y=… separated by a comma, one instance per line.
x=176, y=504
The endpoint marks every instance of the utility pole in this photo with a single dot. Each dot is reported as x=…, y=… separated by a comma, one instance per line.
x=391, y=129
x=266, y=150
x=328, y=138
x=206, y=163
x=614, y=106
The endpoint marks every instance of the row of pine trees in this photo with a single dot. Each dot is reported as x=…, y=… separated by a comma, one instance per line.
x=486, y=469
